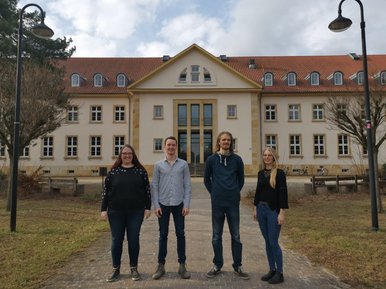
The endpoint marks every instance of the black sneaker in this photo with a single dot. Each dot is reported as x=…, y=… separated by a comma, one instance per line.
x=239, y=272
x=277, y=278
x=268, y=276
x=134, y=274
x=114, y=276
x=213, y=272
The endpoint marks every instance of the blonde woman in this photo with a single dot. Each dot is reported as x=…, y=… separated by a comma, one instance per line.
x=271, y=200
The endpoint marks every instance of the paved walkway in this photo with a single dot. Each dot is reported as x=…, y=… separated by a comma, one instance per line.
x=89, y=269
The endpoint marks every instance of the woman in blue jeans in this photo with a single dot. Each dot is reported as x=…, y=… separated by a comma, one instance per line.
x=271, y=200
x=126, y=201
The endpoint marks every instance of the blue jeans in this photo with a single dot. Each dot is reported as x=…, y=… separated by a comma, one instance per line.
x=232, y=214
x=179, y=225
x=270, y=230
x=131, y=222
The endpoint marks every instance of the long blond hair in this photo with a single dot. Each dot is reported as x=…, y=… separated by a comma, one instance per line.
x=275, y=165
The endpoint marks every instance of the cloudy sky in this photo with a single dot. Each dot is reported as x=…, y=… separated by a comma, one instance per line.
x=137, y=28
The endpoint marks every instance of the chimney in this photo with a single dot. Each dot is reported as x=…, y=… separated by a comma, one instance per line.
x=165, y=58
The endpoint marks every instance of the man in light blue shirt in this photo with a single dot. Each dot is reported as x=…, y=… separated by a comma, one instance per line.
x=171, y=194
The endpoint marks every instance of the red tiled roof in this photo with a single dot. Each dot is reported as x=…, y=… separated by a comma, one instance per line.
x=279, y=66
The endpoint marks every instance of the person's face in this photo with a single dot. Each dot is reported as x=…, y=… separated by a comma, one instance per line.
x=225, y=142
x=127, y=156
x=170, y=147
x=268, y=158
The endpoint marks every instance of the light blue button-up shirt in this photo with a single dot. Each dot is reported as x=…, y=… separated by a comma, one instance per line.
x=171, y=184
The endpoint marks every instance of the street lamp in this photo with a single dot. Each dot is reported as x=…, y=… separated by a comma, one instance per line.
x=341, y=24
x=42, y=31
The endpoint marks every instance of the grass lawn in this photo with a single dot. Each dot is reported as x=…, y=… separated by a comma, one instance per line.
x=334, y=231
x=48, y=232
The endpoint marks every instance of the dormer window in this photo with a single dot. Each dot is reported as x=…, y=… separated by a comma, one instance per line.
x=383, y=77
x=268, y=79
x=314, y=78
x=360, y=77
x=291, y=79
x=98, y=80
x=75, y=80
x=338, y=78
x=182, y=77
x=121, y=80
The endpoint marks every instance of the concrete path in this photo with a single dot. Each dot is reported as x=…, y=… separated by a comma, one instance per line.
x=89, y=269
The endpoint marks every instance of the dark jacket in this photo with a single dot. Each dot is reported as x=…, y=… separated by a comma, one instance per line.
x=277, y=197
x=224, y=178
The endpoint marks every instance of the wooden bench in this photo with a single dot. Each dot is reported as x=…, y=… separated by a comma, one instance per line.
x=331, y=182
x=55, y=184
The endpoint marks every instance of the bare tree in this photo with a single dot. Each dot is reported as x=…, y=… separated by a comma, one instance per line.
x=43, y=103
x=346, y=114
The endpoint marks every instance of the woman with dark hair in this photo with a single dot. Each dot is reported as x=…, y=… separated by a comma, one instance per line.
x=271, y=201
x=126, y=201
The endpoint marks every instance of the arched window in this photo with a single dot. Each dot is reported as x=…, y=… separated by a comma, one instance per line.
x=268, y=79
x=75, y=80
x=314, y=78
x=98, y=80
x=291, y=79
x=338, y=78
x=360, y=78
x=121, y=80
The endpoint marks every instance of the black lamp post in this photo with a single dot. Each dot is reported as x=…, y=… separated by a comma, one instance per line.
x=42, y=31
x=340, y=24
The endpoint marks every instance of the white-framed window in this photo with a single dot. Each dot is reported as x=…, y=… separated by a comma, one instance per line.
x=2, y=149
x=270, y=112
x=317, y=112
x=75, y=80
x=119, y=113
x=157, y=145
x=364, y=151
x=25, y=152
x=295, y=145
x=183, y=75
x=48, y=146
x=195, y=73
x=95, y=146
x=360, y=77
x=73, y=114
x=271, y=141
x=268, y=79
x=343, y=145
x=158, y=112
x=98, y=80
x=235, y=145
x=207, y=76
x=231, y=111
x=314, y=78
x=121, y=80
x=342, y=108
x=294, y=112
x=383, y=77
x=96, y=113
x=119, y=142
x=71, y=146
x=291, y=79
x=338, y=78
x=319, y=145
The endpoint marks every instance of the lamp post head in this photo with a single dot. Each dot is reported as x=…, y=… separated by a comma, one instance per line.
x=42, y=31
x=340, y=24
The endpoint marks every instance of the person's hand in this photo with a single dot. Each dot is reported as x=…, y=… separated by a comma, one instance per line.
x=158, y=212
x=185, y=211
x=147, y=214
x=281, y=218
x=104, y=215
